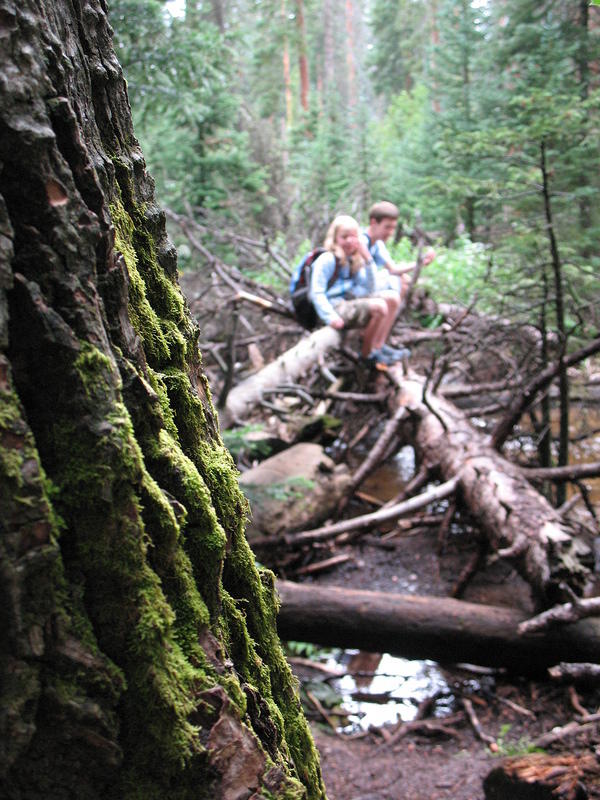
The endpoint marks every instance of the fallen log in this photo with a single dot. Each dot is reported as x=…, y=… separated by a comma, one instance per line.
x=576, y=673
x=519, y=523
x=290, y=366
x=441, y=629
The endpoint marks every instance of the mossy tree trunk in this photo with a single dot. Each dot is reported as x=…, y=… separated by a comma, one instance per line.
x=138, y=652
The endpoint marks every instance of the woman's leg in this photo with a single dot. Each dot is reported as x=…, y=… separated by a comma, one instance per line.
x=378, y=310
x=384, y=309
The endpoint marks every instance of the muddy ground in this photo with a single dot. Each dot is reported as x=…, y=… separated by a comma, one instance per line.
x=445, y=757
x=447, y=761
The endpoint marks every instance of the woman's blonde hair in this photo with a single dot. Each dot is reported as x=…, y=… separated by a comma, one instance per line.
x=342, y=221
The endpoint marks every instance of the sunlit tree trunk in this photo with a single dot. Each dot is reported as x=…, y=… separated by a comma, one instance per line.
x=287, y=81
x=302, y=57
x=138, y=655
x=350, y=54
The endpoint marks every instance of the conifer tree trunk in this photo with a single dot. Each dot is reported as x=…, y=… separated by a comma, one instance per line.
x=138, y=655
x=302, y=57
x=328, y=18
x=563, y=376
x=350, y=50
x=287, y=80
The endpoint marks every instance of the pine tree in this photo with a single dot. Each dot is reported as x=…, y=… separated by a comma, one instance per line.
x=179, y=75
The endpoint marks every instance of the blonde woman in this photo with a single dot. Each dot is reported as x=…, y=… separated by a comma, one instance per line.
x=347, y=301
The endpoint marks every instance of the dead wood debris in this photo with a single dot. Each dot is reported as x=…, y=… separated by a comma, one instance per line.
x=365, y=522
x=376, y=454
x=576, y=673
x=319, y=706
x=561, y=615
x=567, y=731
x=560, y=777
x=429, y=727
x=321, y=566
x=475, y=724
x=474, y=564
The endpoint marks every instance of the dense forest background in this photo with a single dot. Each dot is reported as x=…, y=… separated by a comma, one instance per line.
x=478, y=119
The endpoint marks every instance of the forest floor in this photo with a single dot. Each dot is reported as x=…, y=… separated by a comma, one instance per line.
x=444, y=758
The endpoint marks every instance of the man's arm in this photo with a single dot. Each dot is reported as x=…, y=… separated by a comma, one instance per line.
x=404, y=267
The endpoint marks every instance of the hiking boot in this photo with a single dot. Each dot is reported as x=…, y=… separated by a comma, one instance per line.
x=397, y=353
x=379, y=359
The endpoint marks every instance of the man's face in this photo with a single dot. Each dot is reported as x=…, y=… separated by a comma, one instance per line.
x=383, y=229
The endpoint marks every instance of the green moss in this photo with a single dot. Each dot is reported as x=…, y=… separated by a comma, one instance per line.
x=143, y=317
x=188, y=411
x=93, y=368
x=167, y=416
x=171, y=529
x=257, y=587
x=11, y=457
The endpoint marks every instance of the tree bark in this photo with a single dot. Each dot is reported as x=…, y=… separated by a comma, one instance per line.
x=139, y=654
x=438, y=628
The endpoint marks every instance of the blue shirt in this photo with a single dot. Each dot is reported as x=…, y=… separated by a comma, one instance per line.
x=346, y=285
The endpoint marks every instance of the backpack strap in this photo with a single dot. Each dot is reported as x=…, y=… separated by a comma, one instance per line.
x=319, y=251
x=336, y=272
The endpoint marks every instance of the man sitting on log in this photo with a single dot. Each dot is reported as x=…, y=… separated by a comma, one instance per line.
x=383, y=219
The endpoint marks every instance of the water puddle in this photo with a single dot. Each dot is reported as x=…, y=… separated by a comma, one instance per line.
x=389, y=478
x=380, y=689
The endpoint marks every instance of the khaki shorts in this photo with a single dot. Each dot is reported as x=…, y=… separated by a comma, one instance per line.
x=355, y=313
